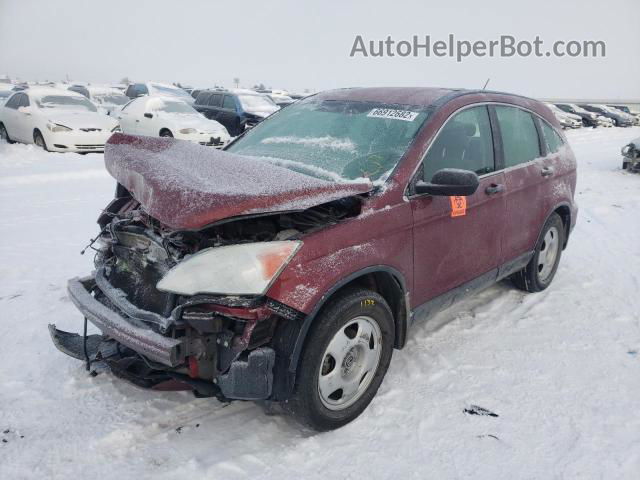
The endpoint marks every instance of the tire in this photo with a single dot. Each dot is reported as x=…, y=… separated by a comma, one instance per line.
x=4, y=135
x=539, y=272
x=342, y=326
x=166, y=133
x=38, y=139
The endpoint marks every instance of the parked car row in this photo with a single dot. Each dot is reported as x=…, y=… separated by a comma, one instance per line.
x=593, y=115
x=55, y=120
x=205, y=116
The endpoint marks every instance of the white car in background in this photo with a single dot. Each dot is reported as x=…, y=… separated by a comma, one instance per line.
x=107, y=99
x=171, y=117
x=56, y=120
x=136, y=90
x=567, y=120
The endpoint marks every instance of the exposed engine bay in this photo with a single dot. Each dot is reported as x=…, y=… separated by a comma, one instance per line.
x=216, y=345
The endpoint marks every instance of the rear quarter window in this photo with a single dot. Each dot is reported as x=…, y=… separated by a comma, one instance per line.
x=520, y=140
x=552, y=139
x=202, y=98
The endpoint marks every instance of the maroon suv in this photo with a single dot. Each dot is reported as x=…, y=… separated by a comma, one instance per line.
x=288, y=267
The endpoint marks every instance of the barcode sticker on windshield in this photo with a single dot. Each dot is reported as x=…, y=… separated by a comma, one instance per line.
x=393, y=114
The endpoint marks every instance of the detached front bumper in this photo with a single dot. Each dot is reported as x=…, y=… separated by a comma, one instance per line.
x=128, y=331
x=127, y=345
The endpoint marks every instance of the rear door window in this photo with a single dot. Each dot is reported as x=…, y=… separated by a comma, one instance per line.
x=464, y=142
x=520, y=140
x=215, y=100
x=229, y=102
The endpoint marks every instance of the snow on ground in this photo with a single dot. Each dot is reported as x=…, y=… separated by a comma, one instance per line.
x=561, y=369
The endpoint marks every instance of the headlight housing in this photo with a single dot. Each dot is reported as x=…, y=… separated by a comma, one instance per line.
x=244, y=269
x=188, y=130
x=116, y=129
x=56, y=127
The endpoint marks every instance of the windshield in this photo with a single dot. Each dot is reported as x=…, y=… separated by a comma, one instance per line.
x=335, y=140
x=67, y=102
x=170, y=106
x=176, y=92
x=577, y=109
x=113, y=99
x=256, y=102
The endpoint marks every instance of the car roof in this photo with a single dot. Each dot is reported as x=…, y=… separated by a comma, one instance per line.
x=42, y=91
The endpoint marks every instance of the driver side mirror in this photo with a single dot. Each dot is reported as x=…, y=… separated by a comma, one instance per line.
x=148, y=115
x=450, y=182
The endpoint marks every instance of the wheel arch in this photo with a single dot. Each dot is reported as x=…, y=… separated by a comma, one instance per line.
x=165, y=129
x=383, y=279
x=564, y=211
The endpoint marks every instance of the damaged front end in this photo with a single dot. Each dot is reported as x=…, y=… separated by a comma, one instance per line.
x=186, y=309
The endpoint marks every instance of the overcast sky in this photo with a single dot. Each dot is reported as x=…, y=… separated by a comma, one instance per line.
x=300, y=44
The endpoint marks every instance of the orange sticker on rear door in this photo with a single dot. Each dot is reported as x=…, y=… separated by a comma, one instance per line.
x=458, y=206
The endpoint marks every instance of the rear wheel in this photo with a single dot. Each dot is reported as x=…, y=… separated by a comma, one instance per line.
x=38, y=139
x=539, y=272
x=348, y=351
x=166, y=133
x=4, y=135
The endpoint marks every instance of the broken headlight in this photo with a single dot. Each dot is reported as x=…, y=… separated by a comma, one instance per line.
x=245, y=269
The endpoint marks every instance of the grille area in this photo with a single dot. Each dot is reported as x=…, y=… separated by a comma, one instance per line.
x=90, y=147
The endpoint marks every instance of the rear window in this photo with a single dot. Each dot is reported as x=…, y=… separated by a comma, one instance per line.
x=519, y=135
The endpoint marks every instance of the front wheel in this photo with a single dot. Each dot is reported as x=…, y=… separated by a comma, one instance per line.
x=539, y=272
x=38, y=139
x=347, y=354
x=4, y=135
x=166, y=133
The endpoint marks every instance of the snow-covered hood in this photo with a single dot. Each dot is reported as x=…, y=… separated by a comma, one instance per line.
x=188, y=186
x=196, y=121
x=78, y=120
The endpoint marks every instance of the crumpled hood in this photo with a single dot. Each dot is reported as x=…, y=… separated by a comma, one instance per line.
x=188, y=186
x=77, y=120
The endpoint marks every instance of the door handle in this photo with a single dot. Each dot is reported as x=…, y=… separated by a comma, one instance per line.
x=494, y=188
x=546, y=171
